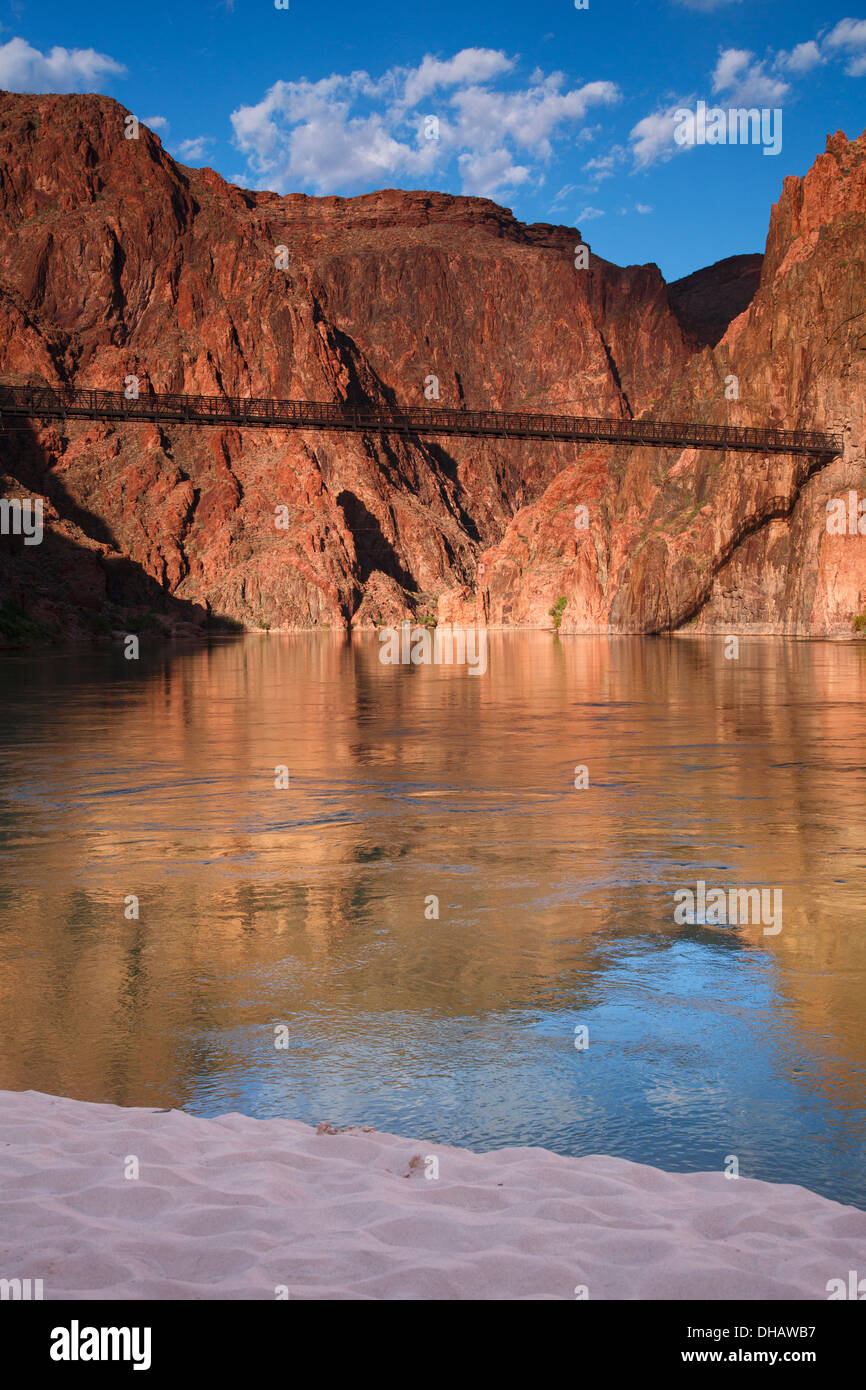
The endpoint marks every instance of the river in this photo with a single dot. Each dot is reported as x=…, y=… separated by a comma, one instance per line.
x=431, y=929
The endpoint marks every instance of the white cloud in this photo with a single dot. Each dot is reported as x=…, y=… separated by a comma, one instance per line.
x=587, y=214
x=529, y=117
x=349, y=132
x=848, y=38
x=653, y=137
x=193, y=149
x=802, y=58
x=739, y=79
x=331, y=153
x=745, y=82
x=731, y=63
x=603, y=166
x=469, y=66
x=24, y=69
x=705, y=6
x=156, y=123
x=643, y=208
x=490, y=175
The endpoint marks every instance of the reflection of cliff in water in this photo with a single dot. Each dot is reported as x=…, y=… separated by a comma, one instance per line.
x=260, y=906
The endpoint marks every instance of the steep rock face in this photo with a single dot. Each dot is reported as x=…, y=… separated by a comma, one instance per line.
x=729, y=541
x=706, y=301
x=799, y=355
x=117, y=262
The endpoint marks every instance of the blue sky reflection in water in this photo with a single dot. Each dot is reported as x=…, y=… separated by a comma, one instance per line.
x=307, y=907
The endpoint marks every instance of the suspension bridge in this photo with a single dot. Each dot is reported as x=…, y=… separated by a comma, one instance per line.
x=44, y=401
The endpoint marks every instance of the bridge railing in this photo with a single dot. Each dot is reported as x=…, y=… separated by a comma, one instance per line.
x=42, y=399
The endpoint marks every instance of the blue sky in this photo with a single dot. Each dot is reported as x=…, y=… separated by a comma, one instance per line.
x=563, y=115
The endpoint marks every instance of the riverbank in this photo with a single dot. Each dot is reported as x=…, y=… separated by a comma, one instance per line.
x=236, y=1207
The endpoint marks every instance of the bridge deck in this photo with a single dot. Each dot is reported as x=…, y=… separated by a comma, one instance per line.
x=68, y=402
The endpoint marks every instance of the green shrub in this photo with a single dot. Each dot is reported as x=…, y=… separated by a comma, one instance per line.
x=557, y=611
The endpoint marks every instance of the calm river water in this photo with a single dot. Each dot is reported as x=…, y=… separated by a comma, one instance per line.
x=312, y=906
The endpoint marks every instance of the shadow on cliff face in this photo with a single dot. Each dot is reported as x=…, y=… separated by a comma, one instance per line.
x=372, y=548
x=448, y=466
x=76, y=584
x=27, y=459
x=708, y=300
x=62, y=589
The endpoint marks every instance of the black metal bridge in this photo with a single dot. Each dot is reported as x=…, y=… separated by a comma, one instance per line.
x=48, y=402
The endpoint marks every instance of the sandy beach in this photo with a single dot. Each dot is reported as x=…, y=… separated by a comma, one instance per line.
x=240, y=1208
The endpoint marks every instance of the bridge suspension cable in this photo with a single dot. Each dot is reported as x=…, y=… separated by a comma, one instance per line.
x=46, y=401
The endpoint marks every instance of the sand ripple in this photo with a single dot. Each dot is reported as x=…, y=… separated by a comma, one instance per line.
x=236, y=1207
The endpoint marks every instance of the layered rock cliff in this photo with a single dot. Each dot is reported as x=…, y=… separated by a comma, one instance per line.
x=115, y=262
